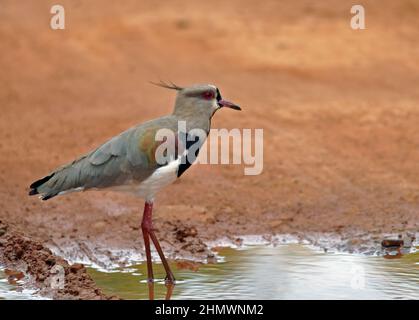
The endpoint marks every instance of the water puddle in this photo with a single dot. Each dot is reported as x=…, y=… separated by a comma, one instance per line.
x=282, y=272
x=14, y=291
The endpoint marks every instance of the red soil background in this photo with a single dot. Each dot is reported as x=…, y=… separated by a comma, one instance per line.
x=339, y=109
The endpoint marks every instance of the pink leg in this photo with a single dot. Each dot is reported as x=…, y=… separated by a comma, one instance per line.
x=147, y=227
x=169, y=292
x=151, y=290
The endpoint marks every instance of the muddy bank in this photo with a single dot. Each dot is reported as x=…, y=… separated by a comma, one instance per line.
x=36, y=267
x=28, y=261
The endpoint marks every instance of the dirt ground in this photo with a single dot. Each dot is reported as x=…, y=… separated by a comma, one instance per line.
x=339, y=109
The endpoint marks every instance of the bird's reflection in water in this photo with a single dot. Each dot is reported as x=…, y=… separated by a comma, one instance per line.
x=169, y=290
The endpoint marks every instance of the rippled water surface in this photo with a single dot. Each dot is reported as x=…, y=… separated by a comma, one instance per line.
x=282, y=272
x=257, y=272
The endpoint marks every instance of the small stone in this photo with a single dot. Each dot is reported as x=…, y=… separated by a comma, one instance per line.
x=3, y=230
x=14, y=274
x=76, y=267
x=50, y=261
x=387, y=243
x=211, y=259
x=18, y=252
x=238, y=241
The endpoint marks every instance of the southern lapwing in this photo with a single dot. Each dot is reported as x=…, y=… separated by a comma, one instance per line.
x=128, y=162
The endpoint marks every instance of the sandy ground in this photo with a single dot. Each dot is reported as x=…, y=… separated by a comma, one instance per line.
x=339, y=109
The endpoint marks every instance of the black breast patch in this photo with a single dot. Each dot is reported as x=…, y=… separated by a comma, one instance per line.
x=187, y=160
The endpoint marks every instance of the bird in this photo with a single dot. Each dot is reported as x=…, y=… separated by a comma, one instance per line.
x=129, y=162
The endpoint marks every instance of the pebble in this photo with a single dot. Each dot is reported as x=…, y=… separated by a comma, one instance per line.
x=76, y=267
x=14, y=274
x=50, y=261
x=387, y=243
x=3, y=230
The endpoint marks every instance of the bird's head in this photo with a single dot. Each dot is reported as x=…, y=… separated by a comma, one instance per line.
x=199, y=99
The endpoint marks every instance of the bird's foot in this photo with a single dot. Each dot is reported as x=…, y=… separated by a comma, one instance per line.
x=170, y=279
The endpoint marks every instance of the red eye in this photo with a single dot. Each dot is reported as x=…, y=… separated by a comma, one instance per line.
x=208, y=95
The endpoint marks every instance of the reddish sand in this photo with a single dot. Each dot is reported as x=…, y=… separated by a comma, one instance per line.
x=339, y=109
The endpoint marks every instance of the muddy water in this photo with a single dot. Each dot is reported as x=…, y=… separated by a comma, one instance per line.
x=281, y=272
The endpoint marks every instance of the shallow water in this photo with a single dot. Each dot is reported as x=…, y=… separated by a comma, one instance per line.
x=281, y=272
x=14, y=291
x=261, y=272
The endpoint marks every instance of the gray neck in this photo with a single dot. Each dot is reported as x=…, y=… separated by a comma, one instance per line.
x=195, y=116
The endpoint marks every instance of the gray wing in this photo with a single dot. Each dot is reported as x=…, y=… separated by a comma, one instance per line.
x=126, y=157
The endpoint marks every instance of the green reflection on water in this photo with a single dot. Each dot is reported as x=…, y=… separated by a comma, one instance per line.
x=282, y=272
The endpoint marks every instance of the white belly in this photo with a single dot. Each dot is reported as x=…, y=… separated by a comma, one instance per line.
x=160, y=178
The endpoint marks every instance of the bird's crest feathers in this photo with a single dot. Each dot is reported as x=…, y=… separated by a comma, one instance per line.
x=169, y=85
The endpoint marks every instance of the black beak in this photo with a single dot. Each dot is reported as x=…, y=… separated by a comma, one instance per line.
x=228, y=104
